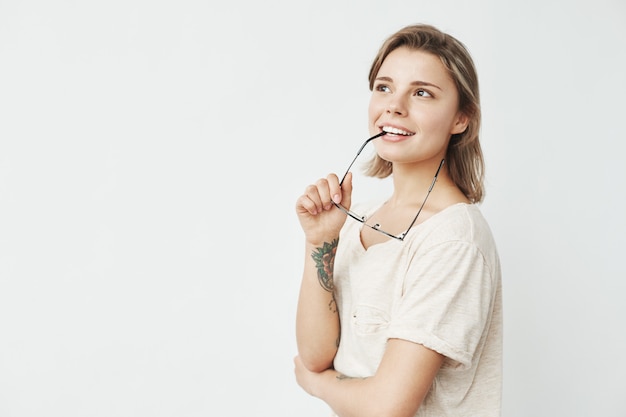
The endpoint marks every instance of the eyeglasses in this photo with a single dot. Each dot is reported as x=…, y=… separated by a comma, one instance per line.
x=376, y=226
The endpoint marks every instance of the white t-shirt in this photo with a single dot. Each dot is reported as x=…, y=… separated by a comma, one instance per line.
x=440, y=287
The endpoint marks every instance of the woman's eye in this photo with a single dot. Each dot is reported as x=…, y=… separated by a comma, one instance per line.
x=383, y=88
x=423, y=93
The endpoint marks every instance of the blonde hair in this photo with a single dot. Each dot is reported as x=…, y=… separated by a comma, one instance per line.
x=464, y=157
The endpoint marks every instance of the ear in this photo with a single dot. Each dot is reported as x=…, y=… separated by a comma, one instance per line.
x=460, y=124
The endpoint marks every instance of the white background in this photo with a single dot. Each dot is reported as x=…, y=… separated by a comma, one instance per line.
x=151, y=153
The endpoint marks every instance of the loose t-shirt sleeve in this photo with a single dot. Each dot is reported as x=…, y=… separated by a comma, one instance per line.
x=445, y=302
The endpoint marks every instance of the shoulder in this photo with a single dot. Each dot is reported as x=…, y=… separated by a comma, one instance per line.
x=460, y=223
x=462, y=220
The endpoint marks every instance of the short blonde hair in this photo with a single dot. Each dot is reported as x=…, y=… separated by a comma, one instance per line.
x=464, y=156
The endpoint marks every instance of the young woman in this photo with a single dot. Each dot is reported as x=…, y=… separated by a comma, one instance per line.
x=399, y=312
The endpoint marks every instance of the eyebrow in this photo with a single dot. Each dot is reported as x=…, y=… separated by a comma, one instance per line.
x=413, y=83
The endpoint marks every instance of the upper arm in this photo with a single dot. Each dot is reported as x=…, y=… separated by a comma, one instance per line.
x=397, y=389
x=405, y=375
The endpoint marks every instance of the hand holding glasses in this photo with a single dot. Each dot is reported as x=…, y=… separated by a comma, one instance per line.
x=376, y=226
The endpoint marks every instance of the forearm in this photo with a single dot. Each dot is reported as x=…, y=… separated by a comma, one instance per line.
x=397, y=389
x=355, y=397
x=317, y=319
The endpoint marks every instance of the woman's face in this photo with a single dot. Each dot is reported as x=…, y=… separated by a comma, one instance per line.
x=416, y=102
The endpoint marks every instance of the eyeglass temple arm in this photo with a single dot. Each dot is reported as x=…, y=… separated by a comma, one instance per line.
x=425, y=198
x=436, y=175
x=359, y=153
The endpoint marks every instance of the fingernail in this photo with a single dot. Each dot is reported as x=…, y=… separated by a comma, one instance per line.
x=336, y=198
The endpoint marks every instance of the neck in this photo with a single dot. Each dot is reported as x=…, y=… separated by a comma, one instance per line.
x=411, y=187
x=411, y=183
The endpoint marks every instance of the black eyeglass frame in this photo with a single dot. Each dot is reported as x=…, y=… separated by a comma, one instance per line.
x=363, y=219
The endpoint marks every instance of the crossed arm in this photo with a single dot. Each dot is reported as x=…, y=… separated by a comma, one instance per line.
x=403, y=378
x=397, y=389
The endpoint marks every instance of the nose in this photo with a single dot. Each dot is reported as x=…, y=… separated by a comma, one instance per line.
x=396, y=106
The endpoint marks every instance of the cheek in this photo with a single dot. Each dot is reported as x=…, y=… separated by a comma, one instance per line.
x=374, y=111
x=441, y=120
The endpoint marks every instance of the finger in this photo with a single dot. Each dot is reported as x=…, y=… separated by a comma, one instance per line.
x=311, y=200
x=305, y=204
x=334, y=188
x=324, y=192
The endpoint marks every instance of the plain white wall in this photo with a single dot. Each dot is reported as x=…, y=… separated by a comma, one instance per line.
x=151, y=153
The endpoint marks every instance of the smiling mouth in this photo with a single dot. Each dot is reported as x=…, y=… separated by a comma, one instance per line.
x=396, y=131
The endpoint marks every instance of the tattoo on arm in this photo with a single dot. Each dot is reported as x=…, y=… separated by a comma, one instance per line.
x=324, y=258
x=332, y=304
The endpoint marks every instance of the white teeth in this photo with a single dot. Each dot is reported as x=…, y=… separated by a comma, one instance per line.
x=396, y=131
